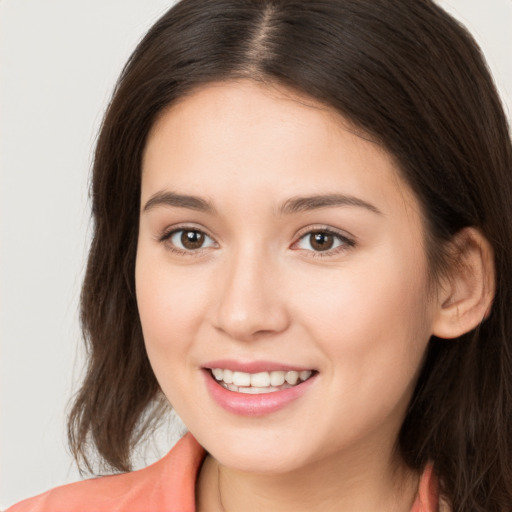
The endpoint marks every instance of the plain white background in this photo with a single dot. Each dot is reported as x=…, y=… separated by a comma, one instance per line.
x=59, y=60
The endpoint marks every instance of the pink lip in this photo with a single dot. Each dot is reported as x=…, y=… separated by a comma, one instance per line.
x=252, y=366
x=254, y=405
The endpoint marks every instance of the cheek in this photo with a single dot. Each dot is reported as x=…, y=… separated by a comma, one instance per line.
x=373, y=331
x=371, y=319
x=169, y=303
x=170, y=311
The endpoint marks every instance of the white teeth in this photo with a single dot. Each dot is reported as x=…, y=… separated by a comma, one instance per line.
x=249, y=390
x=292, y=377
x=241, y=379
x=305, y=374
x=277, y=378
x=254, y=391
x=261, y=382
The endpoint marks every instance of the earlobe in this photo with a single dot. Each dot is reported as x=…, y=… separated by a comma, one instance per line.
x=465, y=297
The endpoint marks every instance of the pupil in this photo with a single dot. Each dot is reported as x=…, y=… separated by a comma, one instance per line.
x=322, y=241
x=192, y=239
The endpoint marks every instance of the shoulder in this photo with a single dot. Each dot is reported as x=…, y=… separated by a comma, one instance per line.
x=167, y=485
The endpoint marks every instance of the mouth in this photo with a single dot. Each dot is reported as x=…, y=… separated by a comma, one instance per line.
x=257, y=388
x=261, y=382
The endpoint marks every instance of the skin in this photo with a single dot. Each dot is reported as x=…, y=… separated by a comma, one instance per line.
x=360, y=314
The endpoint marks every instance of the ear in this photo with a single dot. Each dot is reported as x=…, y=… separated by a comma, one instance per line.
x=466, y=293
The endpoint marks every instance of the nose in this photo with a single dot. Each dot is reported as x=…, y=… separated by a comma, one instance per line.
x=251, y=303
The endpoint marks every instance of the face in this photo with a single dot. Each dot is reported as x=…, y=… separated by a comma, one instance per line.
x=276, y=245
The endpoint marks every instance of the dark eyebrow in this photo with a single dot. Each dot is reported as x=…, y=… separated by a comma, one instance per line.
x=301, y=204
x=293, y=205
x=166, y=198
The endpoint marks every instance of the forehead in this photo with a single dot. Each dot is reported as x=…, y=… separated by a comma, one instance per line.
x=241, y=107
x=248, y=137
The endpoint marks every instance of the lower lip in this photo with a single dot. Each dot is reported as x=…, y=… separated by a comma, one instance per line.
x=245, y=404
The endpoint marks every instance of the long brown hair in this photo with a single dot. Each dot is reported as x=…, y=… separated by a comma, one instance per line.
x=410, y=77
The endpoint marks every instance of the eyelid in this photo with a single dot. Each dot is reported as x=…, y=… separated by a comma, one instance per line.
x=325, y=228
x=166, y=235
x=348, y=240
x=186, y=225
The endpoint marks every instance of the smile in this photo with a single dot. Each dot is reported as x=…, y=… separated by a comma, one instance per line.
x=263, y=388
x=261, y=382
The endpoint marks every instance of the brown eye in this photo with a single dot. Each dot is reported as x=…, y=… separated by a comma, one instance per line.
x=321, y=241
x=189, y=240
x=192, y=239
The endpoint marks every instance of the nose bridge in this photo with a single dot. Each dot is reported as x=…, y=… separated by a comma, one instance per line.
x=249, y=302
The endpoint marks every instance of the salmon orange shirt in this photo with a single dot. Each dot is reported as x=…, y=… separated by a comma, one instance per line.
x=166, y=486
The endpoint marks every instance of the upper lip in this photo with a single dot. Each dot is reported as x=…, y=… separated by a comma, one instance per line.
x=253, y=366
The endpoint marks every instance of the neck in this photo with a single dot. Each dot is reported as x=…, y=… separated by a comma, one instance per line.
x=373, y=483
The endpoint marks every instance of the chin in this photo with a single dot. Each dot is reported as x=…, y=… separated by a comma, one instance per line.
x=263, y=451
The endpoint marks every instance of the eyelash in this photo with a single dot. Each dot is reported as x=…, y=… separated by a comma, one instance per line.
x=166, y=237
x=345, y=243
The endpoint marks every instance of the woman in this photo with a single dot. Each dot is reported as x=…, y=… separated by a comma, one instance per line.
x=302, y=234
